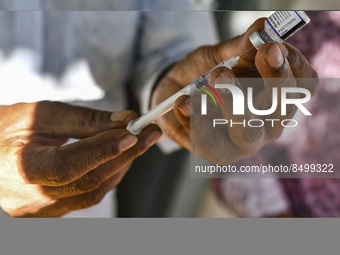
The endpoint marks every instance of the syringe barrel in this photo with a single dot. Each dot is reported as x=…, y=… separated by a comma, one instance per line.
x=137, y=125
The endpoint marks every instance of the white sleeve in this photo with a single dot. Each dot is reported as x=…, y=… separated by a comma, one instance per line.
x=22, y=82
x=166, y=37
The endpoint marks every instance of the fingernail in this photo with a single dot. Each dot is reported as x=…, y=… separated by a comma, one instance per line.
x=274, y=56
x=153, y=137
x=184, y=108
x=120, y=116
x=283, y=49
x=127, y=142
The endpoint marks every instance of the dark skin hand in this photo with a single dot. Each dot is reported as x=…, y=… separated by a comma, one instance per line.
x=272, y=60
x=41, y=178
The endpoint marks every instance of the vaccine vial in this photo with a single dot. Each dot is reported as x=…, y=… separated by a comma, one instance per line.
x=279, y=26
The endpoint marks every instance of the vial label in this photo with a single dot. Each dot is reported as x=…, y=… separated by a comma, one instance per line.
x=285, y=23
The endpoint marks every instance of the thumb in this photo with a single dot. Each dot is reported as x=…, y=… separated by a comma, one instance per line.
x=77, y=122
x=271, y=61
x=183, y=105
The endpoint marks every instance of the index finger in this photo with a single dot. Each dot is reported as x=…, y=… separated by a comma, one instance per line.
x=74, y=121
x=55, y=166
x=238, y=45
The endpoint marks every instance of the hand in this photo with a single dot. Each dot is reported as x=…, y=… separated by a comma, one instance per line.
x=41, y=178
x=270, y=61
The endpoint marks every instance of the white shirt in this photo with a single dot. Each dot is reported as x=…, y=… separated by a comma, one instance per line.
x=89, y=57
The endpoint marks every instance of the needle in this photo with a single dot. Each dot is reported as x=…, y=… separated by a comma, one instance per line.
x=246, y=51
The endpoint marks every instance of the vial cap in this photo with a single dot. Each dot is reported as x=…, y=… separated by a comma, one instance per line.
x=256, y=39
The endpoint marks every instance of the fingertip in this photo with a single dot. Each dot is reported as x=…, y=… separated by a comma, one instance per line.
x=274, y=56
x=243, y=42
x=181, y=100
x=121, y=119
x=256, y=26
x=182, y=105
x=150, y=134
x=272, y=51
x=283, y=49
x=183, y=120
x=127, y=142
x=271, y=60
x=185, y=108
x=151, y=128
x=153, y=137
x=239, y=44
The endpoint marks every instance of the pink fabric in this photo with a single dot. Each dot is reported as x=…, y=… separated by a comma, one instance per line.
x=318, y=138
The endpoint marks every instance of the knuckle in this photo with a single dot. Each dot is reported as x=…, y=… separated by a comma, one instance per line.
x=89, y=158
x=110, y=170
x=55, y=176
x=98, y=196
x=91, y=118
x=93, y=181
x=60, y=175
x=206, y=53
x=61, y=192
x=92, y=198
x=94, y=158
x=126, y=161
x=114, y=150
x=85, y=202
x=60, y=179
x=85, y=184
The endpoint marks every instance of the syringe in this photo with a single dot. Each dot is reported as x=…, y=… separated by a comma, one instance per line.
x=136, y=126
x=286, y=23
